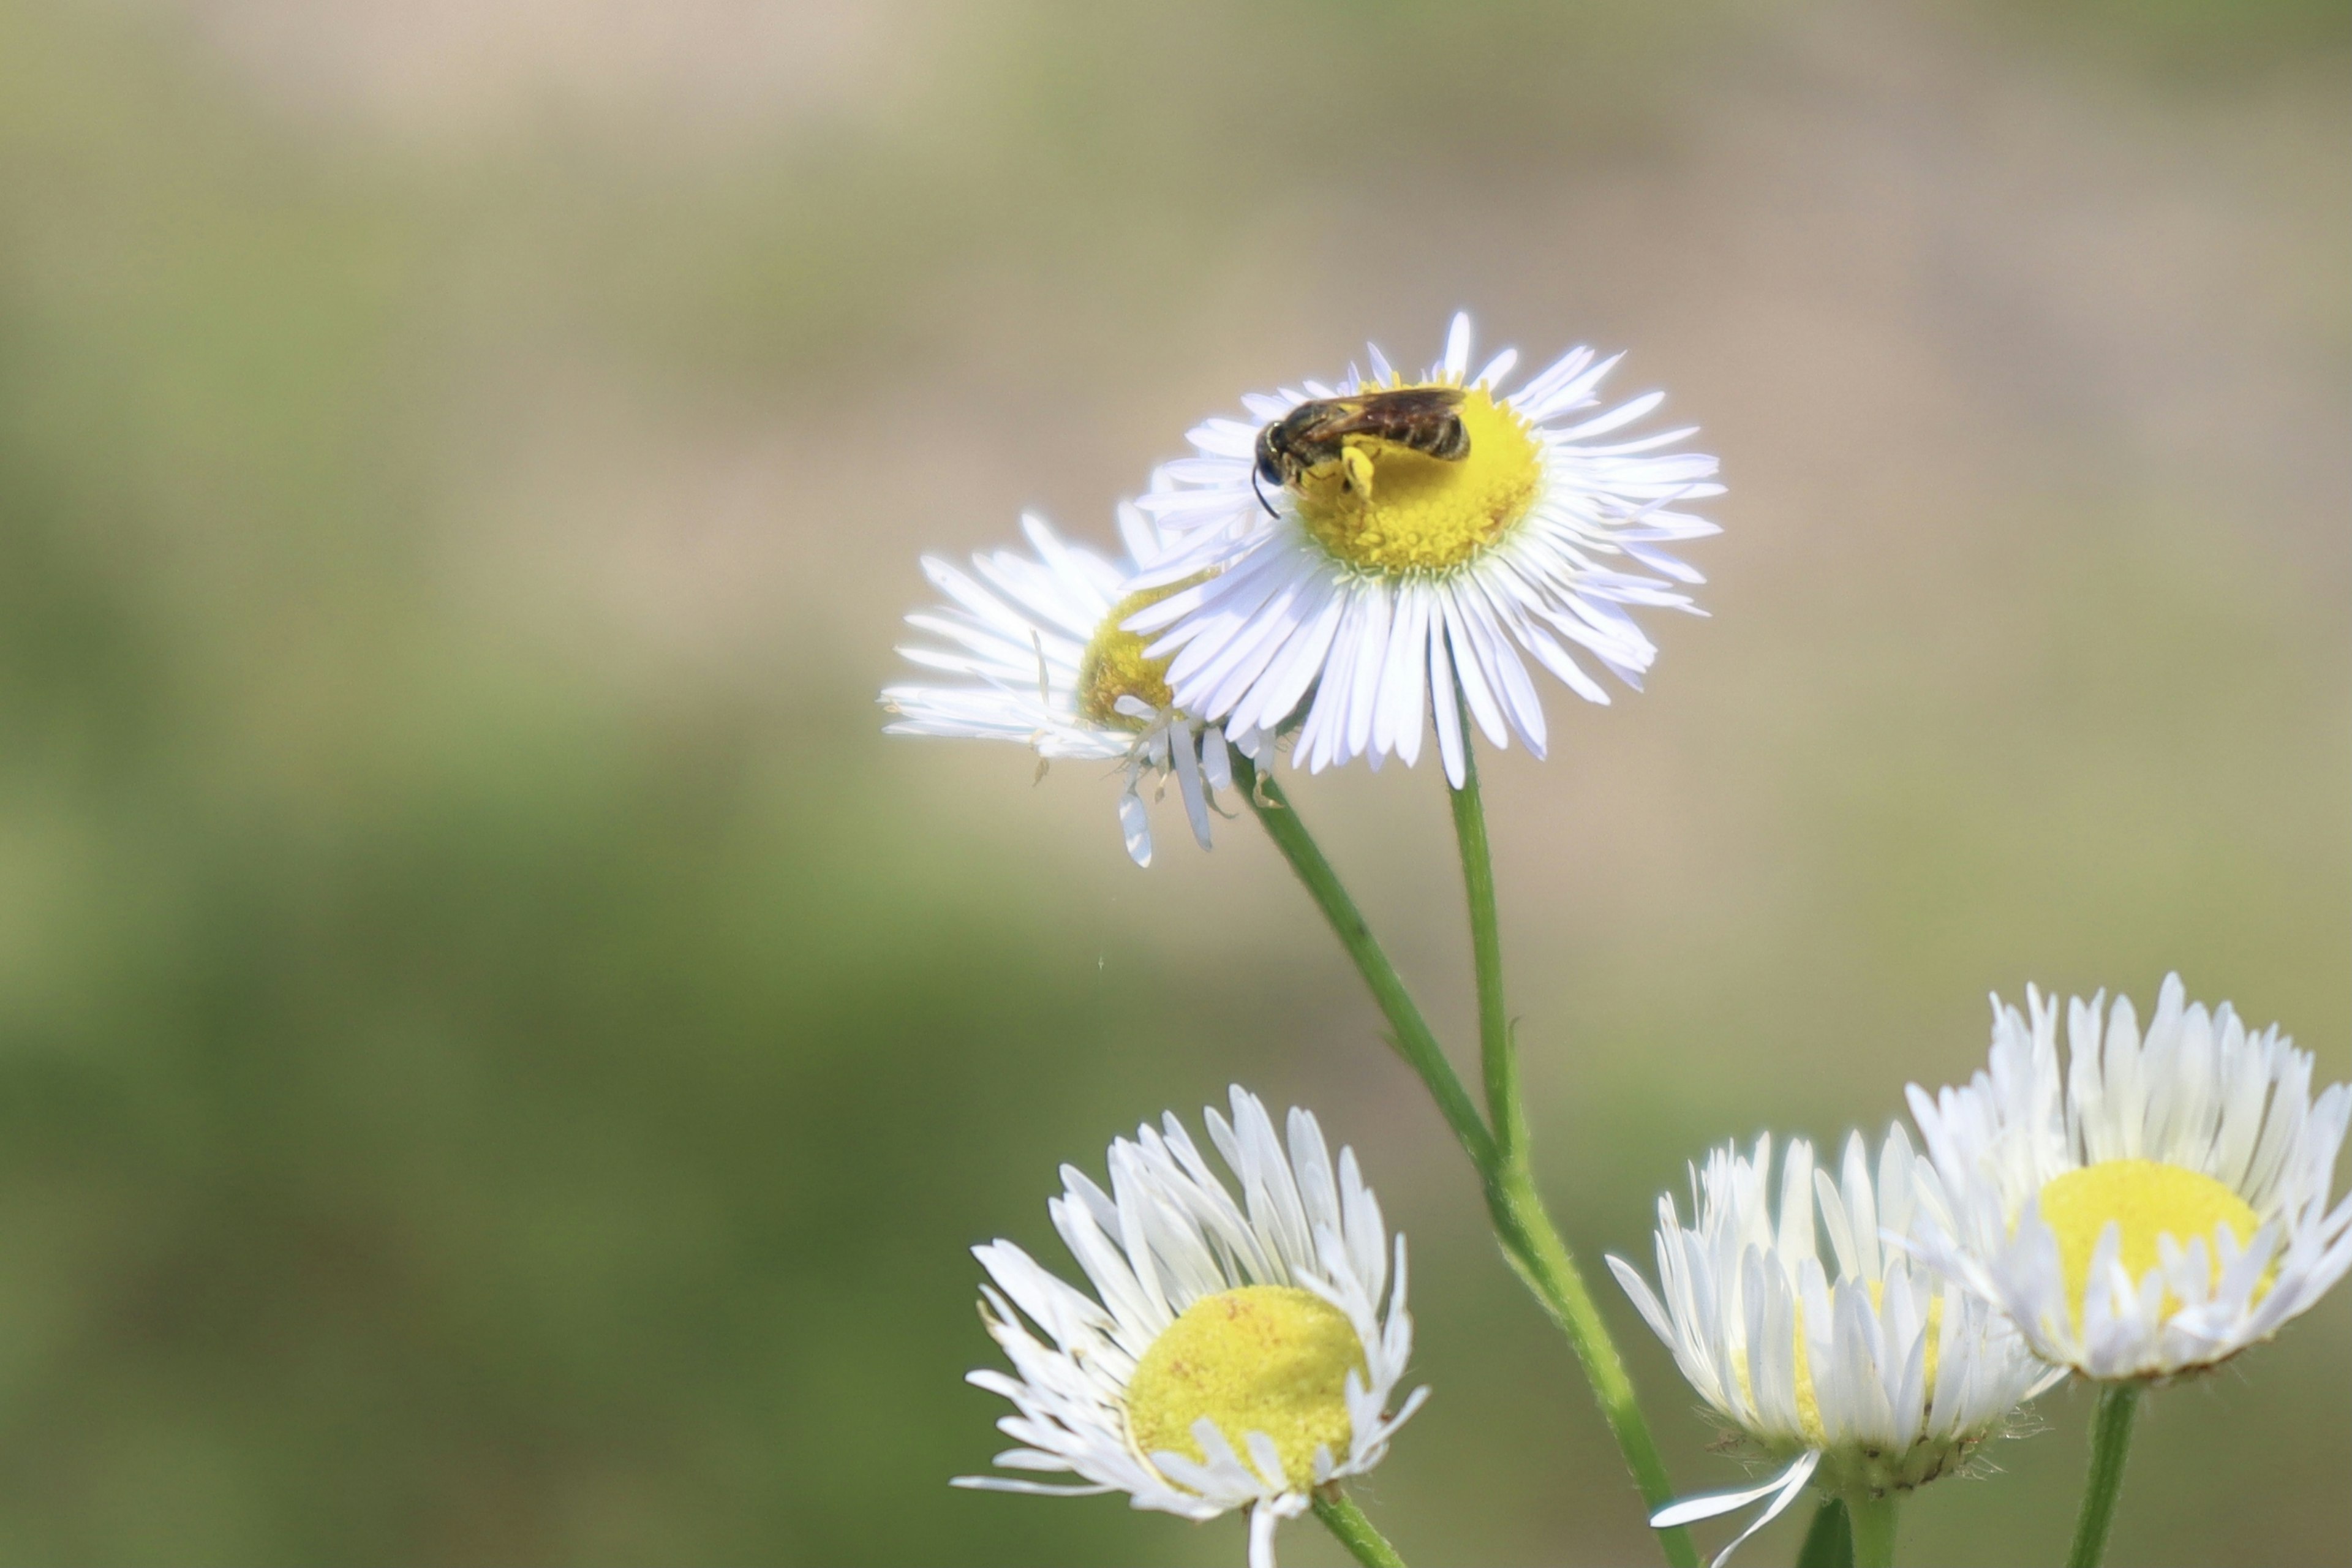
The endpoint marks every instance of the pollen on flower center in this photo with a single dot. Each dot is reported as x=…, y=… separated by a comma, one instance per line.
x=2145, y=1198
x=1391, y=509
x=1261, y=1358
x=1113, y=666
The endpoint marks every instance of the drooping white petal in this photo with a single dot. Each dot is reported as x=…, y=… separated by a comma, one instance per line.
x=1783, y=1489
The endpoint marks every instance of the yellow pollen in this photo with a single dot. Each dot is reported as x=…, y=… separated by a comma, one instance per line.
x=1391, y=509
x=2146, y=1198
x=1261, y=1358
x=1113, y=666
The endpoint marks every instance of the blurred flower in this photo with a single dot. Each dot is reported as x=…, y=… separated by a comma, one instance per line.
x=1877, y=1380
x=1036, y=642
x=1386, y=577
x=1233, y=1354
x=2162, y=1209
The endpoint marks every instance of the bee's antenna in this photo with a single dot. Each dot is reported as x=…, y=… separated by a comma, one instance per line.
x=1257, y=483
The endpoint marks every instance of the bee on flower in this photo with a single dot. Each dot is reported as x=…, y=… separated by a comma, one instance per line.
x=1365, y=560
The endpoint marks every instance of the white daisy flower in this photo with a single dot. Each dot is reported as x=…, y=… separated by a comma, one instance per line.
x=2161, y=1206
x=1036, y=643
x=1233, y=1353
x=1868, y=1380
x=1387, y=578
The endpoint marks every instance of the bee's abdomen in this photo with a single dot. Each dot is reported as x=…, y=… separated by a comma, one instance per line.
x=1450, y=442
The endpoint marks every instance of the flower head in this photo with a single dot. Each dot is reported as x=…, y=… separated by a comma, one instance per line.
x=2159, y=1207
x=1235, y=1353
x=1041, y=657
x=1866, y=1377
x=1391, y=567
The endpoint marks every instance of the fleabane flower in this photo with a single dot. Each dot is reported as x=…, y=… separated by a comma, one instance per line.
x=1390, y=575
x=1036, y=644
x=1235, y=1352
x=2160, y=1204
x=1865, y=1374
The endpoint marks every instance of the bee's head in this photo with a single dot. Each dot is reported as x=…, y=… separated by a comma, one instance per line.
x=1270, y=438
x=1257, y=483
x=1268, y=469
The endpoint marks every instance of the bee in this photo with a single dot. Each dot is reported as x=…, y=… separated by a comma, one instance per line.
x=1425, y=419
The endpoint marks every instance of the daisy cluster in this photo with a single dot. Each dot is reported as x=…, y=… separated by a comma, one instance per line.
x=1354, y=567
x=2148, y=1207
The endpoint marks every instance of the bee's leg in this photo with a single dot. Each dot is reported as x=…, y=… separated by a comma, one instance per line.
x=1358, y=468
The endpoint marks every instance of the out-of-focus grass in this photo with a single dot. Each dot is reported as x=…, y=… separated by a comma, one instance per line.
x=499, y=1060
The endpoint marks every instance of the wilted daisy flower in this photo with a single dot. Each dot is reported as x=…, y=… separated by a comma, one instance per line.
x=2160, y=1207
x=1868, y=1379
x=1373, y=547
x=1036, y=642
x=1235, y=1352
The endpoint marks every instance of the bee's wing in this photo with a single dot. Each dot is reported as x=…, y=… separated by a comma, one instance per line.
x=1387, y=413
x=1325, y=419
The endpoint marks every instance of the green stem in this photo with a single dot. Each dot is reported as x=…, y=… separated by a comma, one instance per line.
x=1873, y=1530
x=1408, y=1029
x=1503, y=1105
x=1529, y=1238
x=2111, y=1435
x=1343, y=1519
x=1829, y=1543
x=1534, y=1246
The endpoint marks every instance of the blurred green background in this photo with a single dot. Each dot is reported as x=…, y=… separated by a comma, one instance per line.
x=500, y=1060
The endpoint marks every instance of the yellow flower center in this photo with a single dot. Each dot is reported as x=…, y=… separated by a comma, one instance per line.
x=1113, y=666
x=2145, y=1198
x=1263, y=1358
x=1391, y=509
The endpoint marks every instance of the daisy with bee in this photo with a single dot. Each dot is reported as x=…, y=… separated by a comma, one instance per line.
x=1370, y=561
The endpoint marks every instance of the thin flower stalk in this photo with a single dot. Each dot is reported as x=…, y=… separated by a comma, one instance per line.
x=2111, y=1436
x=1344, y=1520
x=1540, y=1252
x=1872, y=1523
x=1409, y=1032
x=1531, y=1241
